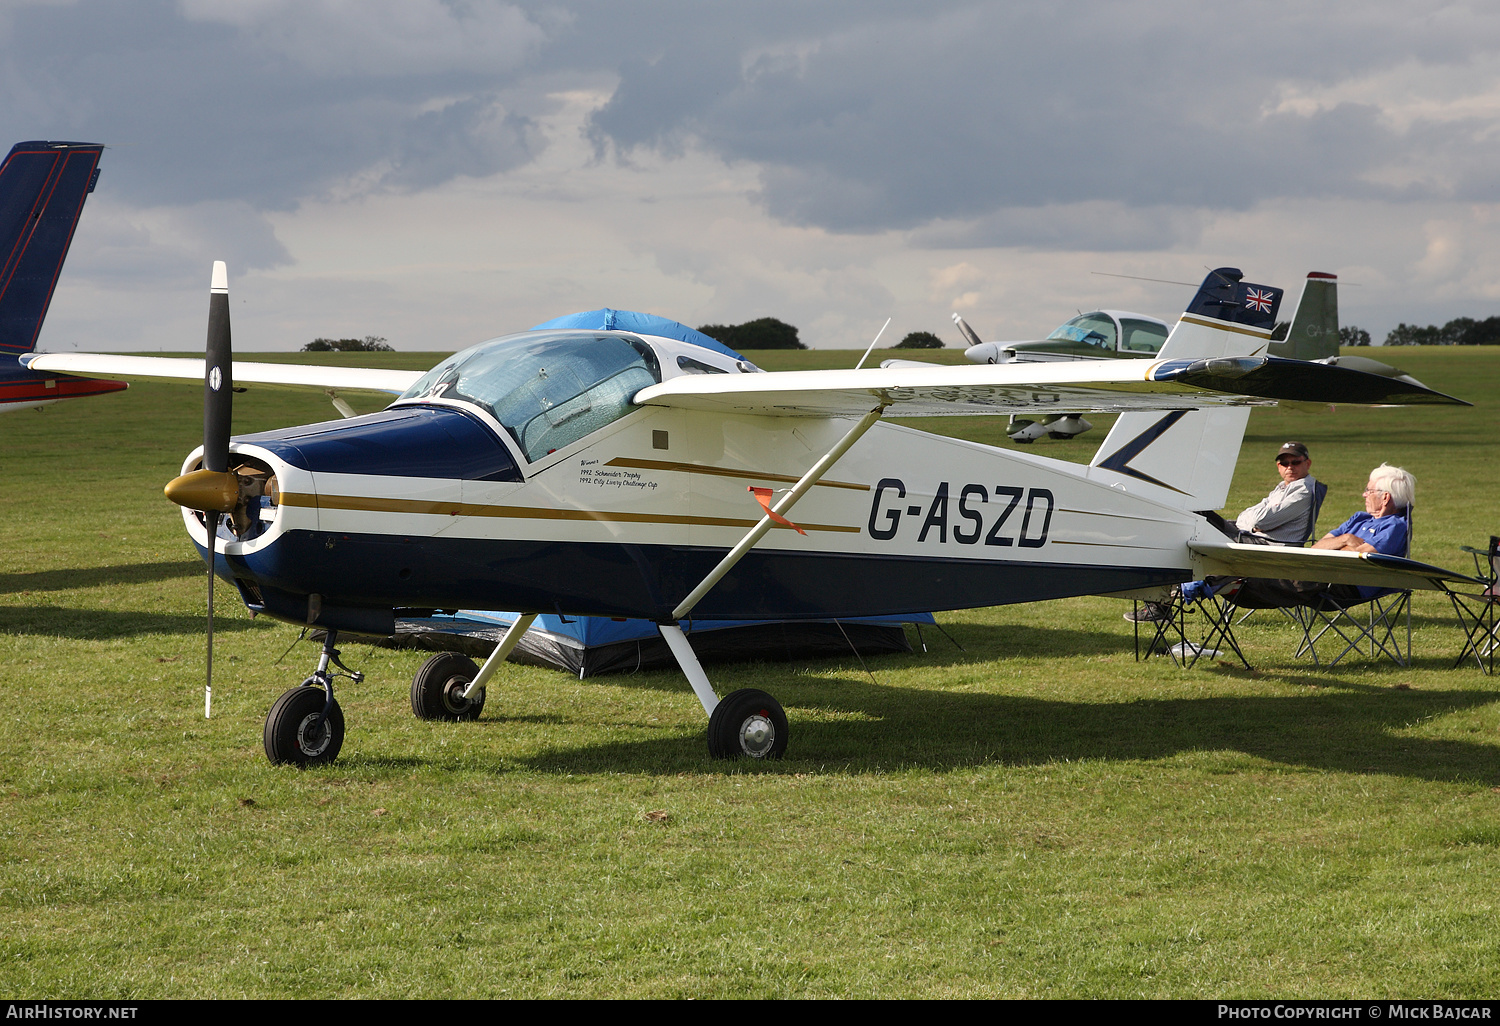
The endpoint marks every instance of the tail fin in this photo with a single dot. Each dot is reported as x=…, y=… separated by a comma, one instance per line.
x=1186, y=458
x=1314, y=333
x=42, y=189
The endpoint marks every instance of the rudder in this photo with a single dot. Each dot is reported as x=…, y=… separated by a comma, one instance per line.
x=1314, y=331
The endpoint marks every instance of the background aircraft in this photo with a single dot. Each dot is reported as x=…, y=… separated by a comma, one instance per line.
x=1312, y=334
x=1096, y=335
x=618, y=473
x=43, y=186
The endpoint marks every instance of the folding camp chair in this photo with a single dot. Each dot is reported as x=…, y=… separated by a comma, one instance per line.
x=1218, y=611
x=1170, y=635
x=1163, y=631
x=1372, y=624
x=1476, y=613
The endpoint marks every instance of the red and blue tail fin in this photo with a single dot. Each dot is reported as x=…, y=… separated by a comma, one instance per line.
x=43, y=186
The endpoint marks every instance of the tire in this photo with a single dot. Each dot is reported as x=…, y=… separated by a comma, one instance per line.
x=289, y=735
x=748, y=723
x=437, y=689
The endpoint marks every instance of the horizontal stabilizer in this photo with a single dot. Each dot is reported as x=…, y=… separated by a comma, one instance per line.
x=1271, y=377
x=1223, y=558
x=280, y=375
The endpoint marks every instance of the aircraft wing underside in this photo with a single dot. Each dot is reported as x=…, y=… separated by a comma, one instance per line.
x=1214, y=557
x=1031, y=388
x=281, y=375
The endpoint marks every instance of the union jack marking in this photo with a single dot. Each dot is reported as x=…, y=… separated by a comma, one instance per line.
x=1258, y=300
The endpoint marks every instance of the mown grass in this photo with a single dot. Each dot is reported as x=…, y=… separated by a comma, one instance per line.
x=1035, y=815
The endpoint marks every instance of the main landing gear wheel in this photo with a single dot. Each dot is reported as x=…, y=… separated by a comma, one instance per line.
x=437, y=690
x=747, y=723
x=294, y=733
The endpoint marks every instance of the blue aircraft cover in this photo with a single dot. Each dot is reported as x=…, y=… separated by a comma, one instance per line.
x=605, y=319
x=589, y=645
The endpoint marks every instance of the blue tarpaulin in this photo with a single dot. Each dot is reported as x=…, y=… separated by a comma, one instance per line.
x=588, y=645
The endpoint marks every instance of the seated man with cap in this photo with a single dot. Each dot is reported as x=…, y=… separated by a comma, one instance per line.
x=1281, y=518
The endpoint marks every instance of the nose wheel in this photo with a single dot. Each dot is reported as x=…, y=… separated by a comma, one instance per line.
x=305, y=727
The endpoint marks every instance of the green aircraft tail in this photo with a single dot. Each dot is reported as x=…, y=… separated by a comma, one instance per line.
x=1314, y=331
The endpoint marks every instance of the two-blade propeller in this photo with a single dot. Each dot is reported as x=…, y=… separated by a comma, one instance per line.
x=215, y=489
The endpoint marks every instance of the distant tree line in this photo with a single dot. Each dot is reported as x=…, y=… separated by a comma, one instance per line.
x=770, y=333
x=1461, y=331
x=368, y=344
x=761, y=333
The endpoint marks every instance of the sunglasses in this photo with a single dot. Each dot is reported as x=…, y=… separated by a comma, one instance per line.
x=1286, y=461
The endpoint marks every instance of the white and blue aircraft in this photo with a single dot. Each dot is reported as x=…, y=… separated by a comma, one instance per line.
x=621, y=473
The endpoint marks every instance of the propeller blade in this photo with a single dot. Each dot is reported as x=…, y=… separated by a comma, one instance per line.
x=218, y=390
x=208, y=679
x=218, y=410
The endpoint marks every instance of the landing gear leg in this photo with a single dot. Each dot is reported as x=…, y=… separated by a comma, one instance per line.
x=305, y=726
x=747, y=722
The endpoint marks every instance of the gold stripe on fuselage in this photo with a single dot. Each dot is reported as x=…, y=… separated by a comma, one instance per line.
x=374, y=504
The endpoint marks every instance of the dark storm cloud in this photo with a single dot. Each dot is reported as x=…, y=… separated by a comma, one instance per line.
x=859, y=116
x=892, y=122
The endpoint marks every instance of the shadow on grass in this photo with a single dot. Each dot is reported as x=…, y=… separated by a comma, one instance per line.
x=97, y=624
x=849, y=726
x=94, y=576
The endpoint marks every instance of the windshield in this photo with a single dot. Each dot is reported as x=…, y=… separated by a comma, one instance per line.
x=1094, y=329
x=548, y=389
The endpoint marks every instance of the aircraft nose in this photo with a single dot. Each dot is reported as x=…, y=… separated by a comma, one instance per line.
x=985, y=352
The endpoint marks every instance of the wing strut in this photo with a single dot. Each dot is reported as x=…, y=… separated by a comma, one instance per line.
x=788, y=500
x=507, y=645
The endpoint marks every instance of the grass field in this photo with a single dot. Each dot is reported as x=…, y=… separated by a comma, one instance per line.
x=1037, y=815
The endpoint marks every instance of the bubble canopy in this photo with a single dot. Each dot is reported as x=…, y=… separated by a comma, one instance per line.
x=547, y=388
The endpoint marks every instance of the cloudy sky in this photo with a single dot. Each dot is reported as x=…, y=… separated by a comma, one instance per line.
x=442, y=171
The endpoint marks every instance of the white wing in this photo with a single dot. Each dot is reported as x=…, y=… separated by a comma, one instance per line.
x=1085, y=387
x=282, y=375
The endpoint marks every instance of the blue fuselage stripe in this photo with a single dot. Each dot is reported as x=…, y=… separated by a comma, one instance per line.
x=606, y=579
